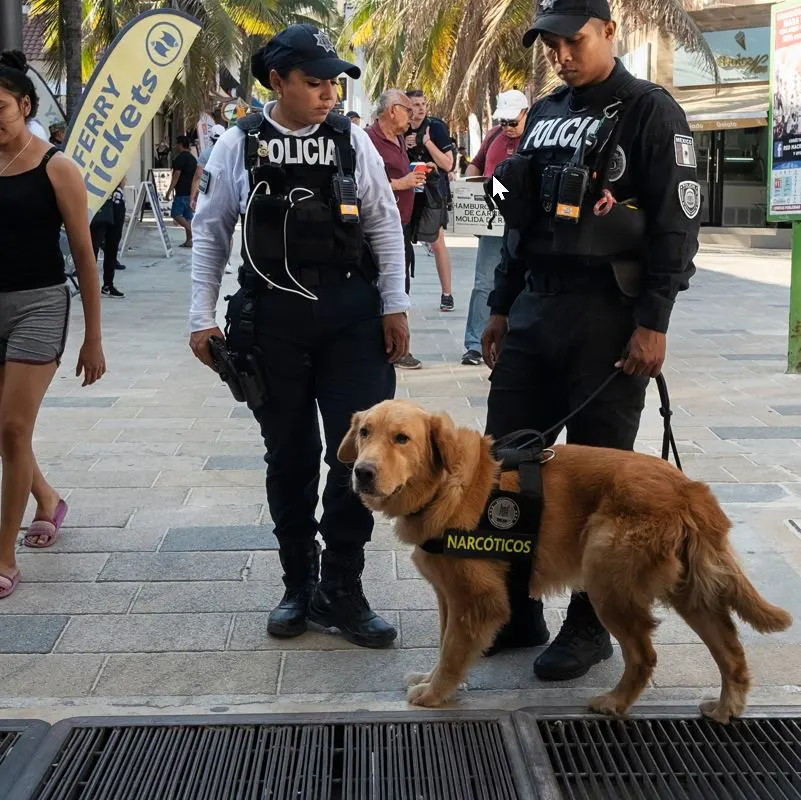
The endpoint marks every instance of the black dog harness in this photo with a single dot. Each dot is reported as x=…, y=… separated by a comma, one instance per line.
x=509, y=527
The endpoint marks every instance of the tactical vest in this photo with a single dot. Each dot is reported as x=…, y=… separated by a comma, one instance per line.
x=295, y=218
x=555, y=136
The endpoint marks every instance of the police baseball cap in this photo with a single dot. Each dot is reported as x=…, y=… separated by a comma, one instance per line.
x=565, y=17
x=301, y=47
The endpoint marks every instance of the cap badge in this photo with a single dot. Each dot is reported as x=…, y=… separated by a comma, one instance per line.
x=323, y=41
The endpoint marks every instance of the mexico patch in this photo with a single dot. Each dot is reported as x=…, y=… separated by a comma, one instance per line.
x=685, y=151
x=507, y=529
x=690, y=198
x=205, y=180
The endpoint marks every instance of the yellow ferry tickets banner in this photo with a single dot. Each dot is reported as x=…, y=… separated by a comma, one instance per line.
x=123, y=95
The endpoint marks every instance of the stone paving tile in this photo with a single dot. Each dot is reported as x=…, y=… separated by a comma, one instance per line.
x=51, y=675
x=45, y=567
x=145, y=633
x=172, y=674
x=220, y=537
x=106, y=540
x=164, y=566
x=31, y=634
x=203, y=596
x=68, y=598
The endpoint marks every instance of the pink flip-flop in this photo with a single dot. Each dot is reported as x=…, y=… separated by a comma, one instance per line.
x=8, y=584
x=46, y=527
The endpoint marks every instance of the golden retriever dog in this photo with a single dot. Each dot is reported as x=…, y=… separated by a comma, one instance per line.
x=627, y=528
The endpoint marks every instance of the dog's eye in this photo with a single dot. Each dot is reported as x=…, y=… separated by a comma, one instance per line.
x=363, y=432
x=401, y=438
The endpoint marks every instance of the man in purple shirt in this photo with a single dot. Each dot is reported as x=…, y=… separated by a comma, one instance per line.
x=500, y=142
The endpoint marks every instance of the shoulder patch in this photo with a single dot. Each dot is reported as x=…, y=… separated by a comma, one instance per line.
x=684, y=147
x=690, y=198
x=617, y=165
x=205, y=182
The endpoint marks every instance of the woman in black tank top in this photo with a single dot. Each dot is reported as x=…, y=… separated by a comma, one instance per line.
x=40, y=190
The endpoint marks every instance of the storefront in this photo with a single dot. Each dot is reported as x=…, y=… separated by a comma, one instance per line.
x=729, y=121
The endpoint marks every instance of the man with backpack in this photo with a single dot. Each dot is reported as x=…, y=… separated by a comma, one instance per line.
x=428, y=140
x=500, y=142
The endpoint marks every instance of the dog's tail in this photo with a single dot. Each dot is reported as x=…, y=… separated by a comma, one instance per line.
x=713, y=575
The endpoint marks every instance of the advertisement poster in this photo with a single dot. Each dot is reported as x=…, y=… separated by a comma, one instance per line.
x=471, y=214
x=123, y=95
x=742, y=56
x=784, y=188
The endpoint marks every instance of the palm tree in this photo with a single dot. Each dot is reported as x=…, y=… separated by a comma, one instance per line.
x=462, y=52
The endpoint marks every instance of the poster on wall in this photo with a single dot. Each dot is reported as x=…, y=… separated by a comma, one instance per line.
x=742, y=56
x=471, y=214
x=784, y=181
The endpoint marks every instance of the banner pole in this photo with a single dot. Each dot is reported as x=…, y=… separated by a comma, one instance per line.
x=794, y=337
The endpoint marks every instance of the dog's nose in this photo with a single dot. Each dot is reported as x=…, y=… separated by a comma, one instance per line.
x=365, y=475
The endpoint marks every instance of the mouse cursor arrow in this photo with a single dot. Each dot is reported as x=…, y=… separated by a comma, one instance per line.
x=498, y=189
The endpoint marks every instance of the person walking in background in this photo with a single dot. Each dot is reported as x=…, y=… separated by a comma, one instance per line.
x=354, y=118
x=500, y=142
x=203, y=158
x=106, y=228
x=183, y=171
x=40, y=190
x=428, y=139
x=392, y=120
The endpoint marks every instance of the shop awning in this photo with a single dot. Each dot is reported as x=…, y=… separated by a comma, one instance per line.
x=730, y=107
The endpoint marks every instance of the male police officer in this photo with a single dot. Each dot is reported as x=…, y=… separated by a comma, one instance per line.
x=316, y=323
x=608, y=169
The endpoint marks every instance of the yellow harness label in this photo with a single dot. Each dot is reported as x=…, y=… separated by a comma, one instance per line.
x=487, y=546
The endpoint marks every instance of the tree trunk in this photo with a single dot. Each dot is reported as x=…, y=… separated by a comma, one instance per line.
x=245, y=75
x=72, y=52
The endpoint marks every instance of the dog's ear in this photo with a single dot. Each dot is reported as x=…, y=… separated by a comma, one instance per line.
x=348, y=450
x=444, y=441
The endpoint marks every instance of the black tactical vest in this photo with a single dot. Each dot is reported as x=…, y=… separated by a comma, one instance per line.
x=298, y=222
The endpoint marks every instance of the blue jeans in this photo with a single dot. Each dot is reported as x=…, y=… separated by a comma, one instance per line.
x=487, y=258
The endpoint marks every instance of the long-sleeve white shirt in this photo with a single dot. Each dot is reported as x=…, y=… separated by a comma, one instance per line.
x=226, y=198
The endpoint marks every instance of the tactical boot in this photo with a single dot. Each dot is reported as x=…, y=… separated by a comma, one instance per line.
x=527, y=627
x=581, y=643
x=339, y=602
x=301, y=563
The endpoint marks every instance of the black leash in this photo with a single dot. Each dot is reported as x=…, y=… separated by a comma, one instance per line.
x=528, y=437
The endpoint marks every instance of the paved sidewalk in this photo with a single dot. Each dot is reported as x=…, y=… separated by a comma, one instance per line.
x=156, y=595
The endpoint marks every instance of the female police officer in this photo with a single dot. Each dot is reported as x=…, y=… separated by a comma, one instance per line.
x=322, y=321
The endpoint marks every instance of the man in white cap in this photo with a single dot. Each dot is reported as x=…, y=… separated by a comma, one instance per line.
x=500, y=142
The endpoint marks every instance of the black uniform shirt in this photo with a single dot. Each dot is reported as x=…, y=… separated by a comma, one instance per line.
x=654, y=162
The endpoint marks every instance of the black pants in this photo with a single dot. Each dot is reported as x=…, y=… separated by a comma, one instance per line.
x=409, y=256
x=108, y=235
x=329, y=354
x=560, y=347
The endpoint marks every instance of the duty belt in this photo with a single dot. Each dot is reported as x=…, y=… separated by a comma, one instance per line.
x=576, y=280
x=307, y=277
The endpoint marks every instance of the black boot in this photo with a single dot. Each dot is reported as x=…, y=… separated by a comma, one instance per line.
x=526, y=627
x=339, y=602
x=580, y=644
x=301, y=563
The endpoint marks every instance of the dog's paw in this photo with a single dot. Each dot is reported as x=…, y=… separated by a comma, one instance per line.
x=716, y=711
x=607, y=704
x=413, y=678
x=422, y=695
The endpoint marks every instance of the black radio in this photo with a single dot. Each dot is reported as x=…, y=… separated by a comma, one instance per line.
x=343, y=187
x=572, y=187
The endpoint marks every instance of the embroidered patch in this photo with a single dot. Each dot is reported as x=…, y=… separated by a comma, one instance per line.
x=617, y=165
x=690, y=198
x=322, y=40
x=205, y=181
x=685, y=151
x=503, y=513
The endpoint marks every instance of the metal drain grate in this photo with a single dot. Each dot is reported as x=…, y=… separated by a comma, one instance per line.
x=18, y=741
x=675, y=758
x=7, y=740
x=458, y=760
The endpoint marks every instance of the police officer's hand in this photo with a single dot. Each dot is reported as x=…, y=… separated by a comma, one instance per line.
x=396, y=336
x=199, y=342
x=645, y=353
x=492, y=338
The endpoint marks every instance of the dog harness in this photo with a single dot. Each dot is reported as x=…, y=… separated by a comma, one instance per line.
x=509, y=527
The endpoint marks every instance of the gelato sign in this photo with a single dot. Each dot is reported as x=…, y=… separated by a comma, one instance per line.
x=471, y=214
x=742, y=56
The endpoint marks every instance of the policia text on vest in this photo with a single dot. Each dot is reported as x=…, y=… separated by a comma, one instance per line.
x=318, y=320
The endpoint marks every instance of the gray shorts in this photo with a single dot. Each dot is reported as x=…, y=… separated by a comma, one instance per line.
x=33, y=324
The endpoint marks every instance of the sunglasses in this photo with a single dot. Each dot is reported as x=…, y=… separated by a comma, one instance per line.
x=508, y=123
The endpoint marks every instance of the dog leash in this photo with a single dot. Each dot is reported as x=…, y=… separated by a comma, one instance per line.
x=527, y=437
